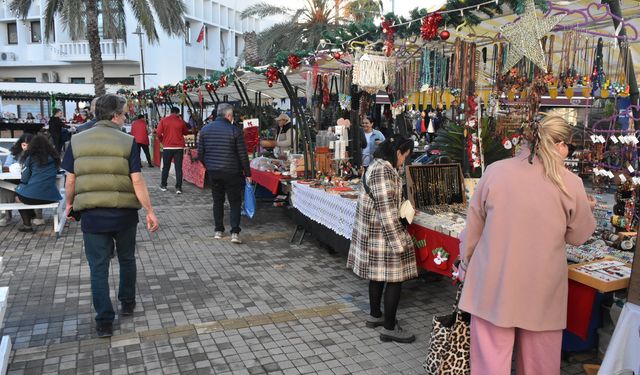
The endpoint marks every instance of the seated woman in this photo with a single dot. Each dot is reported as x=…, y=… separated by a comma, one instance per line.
x=11, y=163
x=40, y=164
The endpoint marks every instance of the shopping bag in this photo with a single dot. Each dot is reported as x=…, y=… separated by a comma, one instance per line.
x=449, y=346
x=249, y=205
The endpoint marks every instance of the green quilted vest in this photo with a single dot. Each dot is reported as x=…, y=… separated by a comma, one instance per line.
x=101, y=165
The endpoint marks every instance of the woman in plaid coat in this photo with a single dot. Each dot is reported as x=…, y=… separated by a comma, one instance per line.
x=382, y=250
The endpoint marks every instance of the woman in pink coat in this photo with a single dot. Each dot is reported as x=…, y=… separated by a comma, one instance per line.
x=523, y=213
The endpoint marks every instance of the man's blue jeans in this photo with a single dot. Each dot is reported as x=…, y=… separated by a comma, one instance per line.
x=98, y=248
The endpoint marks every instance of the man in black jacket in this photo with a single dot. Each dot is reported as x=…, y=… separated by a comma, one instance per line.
x=222, y=150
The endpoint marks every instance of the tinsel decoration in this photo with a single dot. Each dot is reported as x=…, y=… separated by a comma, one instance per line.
x=430, y=24
x=223, y=81
x=293, y=61
x=389, y=30
x=524, y=37
x=272, y=75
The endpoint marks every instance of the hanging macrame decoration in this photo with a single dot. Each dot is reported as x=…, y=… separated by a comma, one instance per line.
x=373, y=73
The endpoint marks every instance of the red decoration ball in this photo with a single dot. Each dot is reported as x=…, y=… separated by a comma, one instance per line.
x=337, y=55
x=444, y=34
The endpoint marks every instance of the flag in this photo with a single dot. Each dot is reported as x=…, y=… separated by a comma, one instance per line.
x=201, y=35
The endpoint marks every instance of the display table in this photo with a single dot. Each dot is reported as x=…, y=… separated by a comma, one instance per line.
x=268, y=180
x=622, y=353
x=25, y=127
x=193, y=171
x=330, y=210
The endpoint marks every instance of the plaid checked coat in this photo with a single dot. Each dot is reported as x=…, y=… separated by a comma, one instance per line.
x=381, y=248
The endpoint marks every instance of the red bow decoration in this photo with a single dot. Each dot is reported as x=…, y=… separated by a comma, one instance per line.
x=293, y=61
x=185, y=87
x=223, y=81
x=171, y=90
x=389, y=30
x=272, y=75
x=429, y=27
x=209, y=87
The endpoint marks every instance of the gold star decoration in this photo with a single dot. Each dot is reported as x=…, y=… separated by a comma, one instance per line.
x=524, y=37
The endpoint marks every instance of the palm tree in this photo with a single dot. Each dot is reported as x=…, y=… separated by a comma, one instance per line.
x=359, y=10
x=80, y=19
x=305, y=26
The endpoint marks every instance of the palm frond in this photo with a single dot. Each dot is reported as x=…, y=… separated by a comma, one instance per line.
x=170, y=15
x=279, y=37
x=113, y=19
x=52, y=7
x=142, y=12
x=264, y=9
x=72, y=14
x=20, y=7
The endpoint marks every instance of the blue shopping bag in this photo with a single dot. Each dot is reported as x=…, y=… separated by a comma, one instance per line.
x=249, y=205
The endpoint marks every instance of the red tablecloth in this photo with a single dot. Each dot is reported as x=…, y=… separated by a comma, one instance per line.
x=431, y=246
x=193, y=171
x=580, y=300
x=269, y=180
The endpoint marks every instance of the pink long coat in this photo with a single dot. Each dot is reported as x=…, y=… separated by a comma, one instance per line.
x=517, y=227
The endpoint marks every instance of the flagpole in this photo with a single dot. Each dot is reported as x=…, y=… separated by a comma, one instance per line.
x=205, y=51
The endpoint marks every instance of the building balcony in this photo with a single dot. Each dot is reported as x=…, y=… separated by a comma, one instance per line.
x=79, y=51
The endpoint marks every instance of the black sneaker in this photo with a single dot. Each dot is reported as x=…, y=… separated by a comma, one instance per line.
x=127, y=308
x=104, y=329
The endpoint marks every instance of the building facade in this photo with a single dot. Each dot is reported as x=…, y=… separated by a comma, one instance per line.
x=25, y=57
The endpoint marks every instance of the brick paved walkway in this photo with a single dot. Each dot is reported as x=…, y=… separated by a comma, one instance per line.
x=207, y=306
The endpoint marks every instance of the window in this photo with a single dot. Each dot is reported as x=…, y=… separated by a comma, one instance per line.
x=77, y=80
x=239, y=46
x=187, y=33
x=12, y=33
x=36, y=35
x=119, y=81
x=25, y=79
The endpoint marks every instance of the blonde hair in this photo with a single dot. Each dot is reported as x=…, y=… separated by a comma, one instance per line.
x=550, y=131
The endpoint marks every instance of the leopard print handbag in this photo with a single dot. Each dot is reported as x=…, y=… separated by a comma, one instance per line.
x=450, y=342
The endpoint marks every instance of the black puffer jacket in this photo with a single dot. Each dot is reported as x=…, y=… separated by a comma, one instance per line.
x=221, y=148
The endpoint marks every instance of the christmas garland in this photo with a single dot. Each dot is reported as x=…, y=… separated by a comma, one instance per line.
x=43, y=95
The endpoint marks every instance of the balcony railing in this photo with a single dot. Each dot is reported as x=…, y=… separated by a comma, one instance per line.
x=80, y=50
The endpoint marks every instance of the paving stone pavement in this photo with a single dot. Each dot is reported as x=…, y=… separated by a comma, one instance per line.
x=207, y=306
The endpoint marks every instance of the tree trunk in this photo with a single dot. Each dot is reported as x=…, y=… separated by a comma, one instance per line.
x=93, y=37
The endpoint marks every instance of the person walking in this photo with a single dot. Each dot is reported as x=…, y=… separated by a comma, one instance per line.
x=141, y=134
x=56, y=124
x=105, y=185
x=381, y=249
x=171, y=131
x=40, y=163
x=522, y=214
x=222, y=150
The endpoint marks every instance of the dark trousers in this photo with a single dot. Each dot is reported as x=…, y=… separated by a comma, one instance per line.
x=232, y=185
x=391, y=293
x=145, y=148
x=28, y=215
x=175, y=155
x=98, y=248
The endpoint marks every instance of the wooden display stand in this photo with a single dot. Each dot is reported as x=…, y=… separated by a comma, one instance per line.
x=423, y=190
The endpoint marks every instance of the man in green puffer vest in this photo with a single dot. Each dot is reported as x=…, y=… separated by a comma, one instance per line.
x=105, y=186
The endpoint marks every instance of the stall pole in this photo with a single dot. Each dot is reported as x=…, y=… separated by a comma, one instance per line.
x=308, y=155
x=235, y=83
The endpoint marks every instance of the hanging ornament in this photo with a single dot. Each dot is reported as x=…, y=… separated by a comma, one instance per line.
x=524, y=37
x=222, y=82
x=429, y=27
x=209, y=87
x=272, y=75
x=445, y=34
x=337, y=55
x=389, y=30
x=293, y=61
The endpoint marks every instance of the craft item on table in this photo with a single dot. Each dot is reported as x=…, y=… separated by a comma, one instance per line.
x=373, y=73
x=524, y=37
x=605, y=270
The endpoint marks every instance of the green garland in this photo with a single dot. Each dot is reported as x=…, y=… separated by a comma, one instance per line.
x=43, y=95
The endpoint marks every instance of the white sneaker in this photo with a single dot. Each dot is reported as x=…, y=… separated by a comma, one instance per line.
x=235, y=238
x=217, y=235
x=163, y=188
x=37, y=222
x=178, y=192
x=4, y=222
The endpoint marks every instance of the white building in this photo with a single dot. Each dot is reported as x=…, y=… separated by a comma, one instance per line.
x=26, y=58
